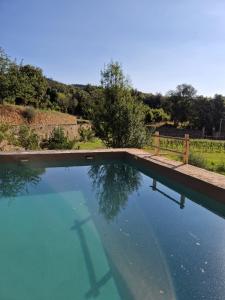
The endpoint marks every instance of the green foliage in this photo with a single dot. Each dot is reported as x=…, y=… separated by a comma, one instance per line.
x=86, y=134
x=4, y=128
x=5, y=133
x=197, y=160
x=220, y=167
x=208, y=145
x=196, y=145
x=26, y=85
x=1, y=136
x=155, y=115
x=120, y=120
x=29, y=113
x=180, y=102
x=31, y=86
x=149, y=118
x=58, y=140
x=27, y=138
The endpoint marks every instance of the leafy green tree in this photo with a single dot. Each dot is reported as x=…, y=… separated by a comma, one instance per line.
x=5, y=66
x=119, y=120
x=33, y=85
x=207, y=113
x=180, y=102
x=201, y=116
x=217, y=110
x=63, y=102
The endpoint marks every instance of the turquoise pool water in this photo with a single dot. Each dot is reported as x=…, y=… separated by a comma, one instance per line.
x=107, y=231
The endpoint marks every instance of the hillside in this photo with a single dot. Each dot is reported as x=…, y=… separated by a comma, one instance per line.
x=13, y=115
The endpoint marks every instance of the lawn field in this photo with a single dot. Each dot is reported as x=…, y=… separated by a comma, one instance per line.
x=90, y=145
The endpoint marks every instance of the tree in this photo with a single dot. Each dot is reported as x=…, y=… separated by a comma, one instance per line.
x=181, y=100
x=21, y=84
x=33, y=85
x=119, y=120
x=201, y=116
x=207, y=113
x=5, y=64
x=217, y=110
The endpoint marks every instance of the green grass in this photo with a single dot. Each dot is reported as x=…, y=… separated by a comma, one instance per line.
x=92, y=145
x=212, y=161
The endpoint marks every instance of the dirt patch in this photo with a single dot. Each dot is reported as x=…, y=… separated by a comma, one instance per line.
x=13, y=115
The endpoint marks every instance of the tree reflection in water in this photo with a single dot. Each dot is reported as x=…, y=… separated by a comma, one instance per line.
x=113, y=184
x=14, y=179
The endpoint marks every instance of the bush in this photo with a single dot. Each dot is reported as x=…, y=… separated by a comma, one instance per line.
x=86, y=134
x=29, y=114
x=58, y=140
x=148, y=115
x=3, y=131
x=27, y=138
x=4, y=128
x=1, y=136
x=159, y=115
x=197, y=160
x=220, y=167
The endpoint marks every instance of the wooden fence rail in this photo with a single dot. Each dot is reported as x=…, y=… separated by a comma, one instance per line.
x=186, y=145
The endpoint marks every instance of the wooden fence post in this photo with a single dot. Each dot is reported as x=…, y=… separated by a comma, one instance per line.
x=157, y=143
x=186, y=148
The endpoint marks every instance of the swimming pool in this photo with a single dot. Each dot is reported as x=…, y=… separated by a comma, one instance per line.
x=110, y=230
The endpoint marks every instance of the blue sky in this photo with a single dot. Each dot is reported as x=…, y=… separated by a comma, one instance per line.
x=160, y=43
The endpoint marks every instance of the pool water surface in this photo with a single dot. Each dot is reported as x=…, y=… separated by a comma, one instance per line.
x=107, y=231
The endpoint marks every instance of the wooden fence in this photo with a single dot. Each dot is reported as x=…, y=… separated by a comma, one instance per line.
x=186, y=145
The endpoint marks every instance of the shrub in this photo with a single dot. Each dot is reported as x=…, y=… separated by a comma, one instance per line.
x=3, y=131
x=148, y=115
x=1, y=136
x=197, y=160
x=27, y=138
x=4, y=128
x=58, y=140
x=160, y=115
x=86, y=134
x=29, y=114
x=220, y=167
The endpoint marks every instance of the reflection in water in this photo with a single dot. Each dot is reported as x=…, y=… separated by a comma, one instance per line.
x=113, y=184
x=14, y=179
x=182, y=197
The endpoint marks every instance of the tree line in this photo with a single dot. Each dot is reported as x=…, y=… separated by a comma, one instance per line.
x=26, y=85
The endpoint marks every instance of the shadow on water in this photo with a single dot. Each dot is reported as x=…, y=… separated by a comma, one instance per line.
x=112, y=273
x=113, y=183
x=95, y=286
x=15, y=179
x=185, y=193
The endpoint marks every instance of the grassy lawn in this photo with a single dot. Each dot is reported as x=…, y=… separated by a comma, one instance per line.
x=91, y=145
x=212, y=161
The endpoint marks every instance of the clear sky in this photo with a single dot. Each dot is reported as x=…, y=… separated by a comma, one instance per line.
x=160, y=43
